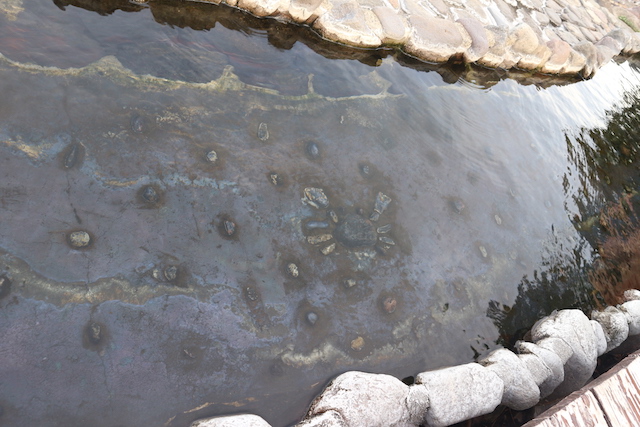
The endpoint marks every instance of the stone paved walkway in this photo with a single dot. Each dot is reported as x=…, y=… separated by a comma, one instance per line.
x=564, y=37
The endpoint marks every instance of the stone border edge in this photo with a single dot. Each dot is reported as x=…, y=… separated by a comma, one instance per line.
x=560, y=359
x=489, y=38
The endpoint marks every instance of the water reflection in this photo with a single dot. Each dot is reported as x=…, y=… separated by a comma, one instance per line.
x=167, y=211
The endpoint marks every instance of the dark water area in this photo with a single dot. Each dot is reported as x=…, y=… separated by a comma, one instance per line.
x=206, y=213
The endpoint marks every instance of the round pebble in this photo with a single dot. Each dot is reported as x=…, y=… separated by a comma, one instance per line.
x=212, y=156
x=171, y=273
x=390, y=304
x=357, y=344
x=79, y=239
x=312, y=318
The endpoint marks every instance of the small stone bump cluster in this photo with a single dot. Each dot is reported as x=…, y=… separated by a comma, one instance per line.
x=564, y=37
x=560, y=358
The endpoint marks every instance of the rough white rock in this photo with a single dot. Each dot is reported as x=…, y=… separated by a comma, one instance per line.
x=459, y=393
x=614, y=324
x=631, y=310
x=632, y=295
x=362, y=398
x=520, y=388
x=242, y=420
x=572, y=327
x=601, y=339
x=325, y=419
x=549, y=358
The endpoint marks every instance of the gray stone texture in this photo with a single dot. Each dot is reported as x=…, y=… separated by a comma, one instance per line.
x=242, y=420
x=435, y=39
x=520, y=388
x=614, y=324
x=362, y=398
x=550, y=360
x=573, y=328
x=325, y=419
x=459, y=393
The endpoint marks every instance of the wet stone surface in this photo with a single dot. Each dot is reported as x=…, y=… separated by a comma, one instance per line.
x=248, y=281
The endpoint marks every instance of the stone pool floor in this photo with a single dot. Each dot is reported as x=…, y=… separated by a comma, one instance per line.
x=565, y=37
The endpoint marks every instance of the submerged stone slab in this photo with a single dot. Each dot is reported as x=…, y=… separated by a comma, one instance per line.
x=460, y=392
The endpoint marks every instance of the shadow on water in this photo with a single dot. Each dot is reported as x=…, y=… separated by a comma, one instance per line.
x=220, y=213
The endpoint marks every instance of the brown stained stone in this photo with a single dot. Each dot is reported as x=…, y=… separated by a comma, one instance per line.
x=346, y=23
x=560, y=53
x=479, y=41
x=523, y=40
x=259, y=7
x=435, y=39
x=394, y=28
x=306, y=11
